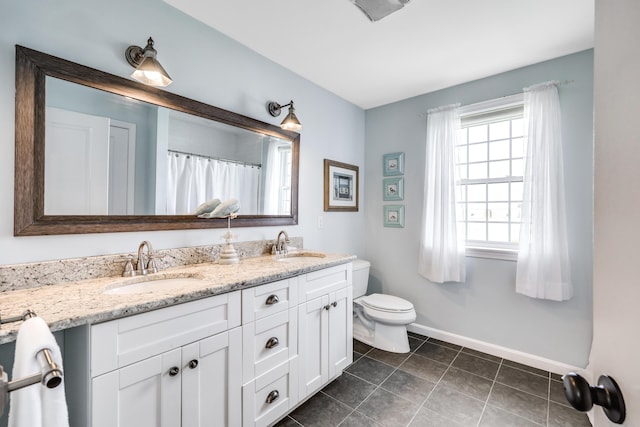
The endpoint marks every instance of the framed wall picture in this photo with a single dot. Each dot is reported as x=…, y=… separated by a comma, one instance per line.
x=340, y=187
x=393, y=189
x=394, y=216
x=393, y=164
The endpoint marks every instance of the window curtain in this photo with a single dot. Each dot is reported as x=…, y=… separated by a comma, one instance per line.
x=543, y=254
x=272, y=180
x=442, y=257
x=193, y=180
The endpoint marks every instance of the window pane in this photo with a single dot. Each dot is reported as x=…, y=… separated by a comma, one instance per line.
x=499, y=150
x=517, y=128
x=499, y=130
x=477, y=133
x=478, y=153
x=461, y=211
x=517, y=191
x=498, y=211
x=499, y=169
x=462, y=136
x=462, y=154
x=515, y=233
x=476, y=231
x=517, y=147
x=498, y=192
x=516, y=212
x=477, y=212
x=462, y=171
x=476, y=192
x=517, y=168
x=478, y=171
x=498, y=232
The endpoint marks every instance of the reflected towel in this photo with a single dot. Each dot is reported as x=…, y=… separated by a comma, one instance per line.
x=224, y=209
x=36, y=405
x=206, y=207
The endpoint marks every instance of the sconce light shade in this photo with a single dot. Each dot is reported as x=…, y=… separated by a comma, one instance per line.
x=290, y=122
x=148, y=69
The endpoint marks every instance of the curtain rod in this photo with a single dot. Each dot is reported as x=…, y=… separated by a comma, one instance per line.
x=220, y=159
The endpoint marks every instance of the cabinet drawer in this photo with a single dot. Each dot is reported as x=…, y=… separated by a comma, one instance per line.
x=321, y=282
x=269, y=342
x=264, y=300
x=270, y=396
x=124, y=341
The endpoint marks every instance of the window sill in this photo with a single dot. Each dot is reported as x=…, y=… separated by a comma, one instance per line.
x=492, y=253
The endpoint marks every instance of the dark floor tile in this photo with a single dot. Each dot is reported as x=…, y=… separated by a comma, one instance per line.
x=428, y=418
x=436, y=352
x=518, y=402
x=408, y=386
x=321, y=411
x=417, y=335
x=414, y=343
x=556, y=377
x=360, y=347
x=524, y=381
x=475, y=365
x=566, y=416
x=556, y=393
x=423, y=367
x=356, y=356
x=495, y=417
x=445, y=344
x=349, y=389
x=454, y=405
x=370, y=370
x=482, y=355
x=388, y=409
x=356, y=419
x=393, y=359
x=530, y=369
x=287, y=422
x=467, y=383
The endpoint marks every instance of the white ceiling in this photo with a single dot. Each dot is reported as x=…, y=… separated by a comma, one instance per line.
x=426, y=46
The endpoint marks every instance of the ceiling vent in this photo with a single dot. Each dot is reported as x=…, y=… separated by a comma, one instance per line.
x=378, y=9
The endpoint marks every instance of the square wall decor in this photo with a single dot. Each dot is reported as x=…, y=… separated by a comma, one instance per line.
x=393, y=189
x=393, y=164
x=394, y=216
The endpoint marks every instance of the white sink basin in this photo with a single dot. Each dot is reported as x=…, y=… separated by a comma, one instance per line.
x=148, y=284
x=300, y=257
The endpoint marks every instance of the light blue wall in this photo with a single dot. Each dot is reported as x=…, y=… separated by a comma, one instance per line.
x=205, y=65
x=486, y=307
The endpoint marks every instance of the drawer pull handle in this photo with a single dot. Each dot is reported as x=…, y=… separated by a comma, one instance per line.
x=272, y=342
x=272, y=299
x=174, y=371
x=273, y=396
x=193, y=364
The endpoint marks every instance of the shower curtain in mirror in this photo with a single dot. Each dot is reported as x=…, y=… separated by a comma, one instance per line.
x=543, y=253
x=442, y=249
x=193, y=180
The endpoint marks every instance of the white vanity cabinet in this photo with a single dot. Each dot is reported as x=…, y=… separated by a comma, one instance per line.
x=325, y=317
x=178, y=366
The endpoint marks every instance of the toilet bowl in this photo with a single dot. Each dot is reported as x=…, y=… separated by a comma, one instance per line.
x=379, y=320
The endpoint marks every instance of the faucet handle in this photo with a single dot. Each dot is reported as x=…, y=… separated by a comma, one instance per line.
x=151, y=264
x=128, y=267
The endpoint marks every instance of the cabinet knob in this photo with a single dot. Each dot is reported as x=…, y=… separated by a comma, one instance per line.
x=193, y=364
x=272, y=342
x=327, y=307
x=273, y=396
x=334, y=304
x=272, y=299
x=174, y=371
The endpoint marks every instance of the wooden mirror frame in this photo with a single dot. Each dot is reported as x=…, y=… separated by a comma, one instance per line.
x=32, y=68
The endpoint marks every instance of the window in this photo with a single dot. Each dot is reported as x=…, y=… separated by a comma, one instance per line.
x=490, y=160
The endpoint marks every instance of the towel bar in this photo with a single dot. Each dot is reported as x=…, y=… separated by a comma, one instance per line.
x=50, y=373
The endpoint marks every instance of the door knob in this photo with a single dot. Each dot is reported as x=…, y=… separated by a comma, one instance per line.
x=607, y=394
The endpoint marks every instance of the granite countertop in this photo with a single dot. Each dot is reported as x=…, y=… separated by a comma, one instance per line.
x=70, y=304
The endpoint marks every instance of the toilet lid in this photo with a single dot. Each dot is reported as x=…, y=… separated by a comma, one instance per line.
x=386, y=303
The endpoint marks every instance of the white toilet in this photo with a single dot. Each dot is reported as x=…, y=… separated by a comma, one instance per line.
x=379, y=320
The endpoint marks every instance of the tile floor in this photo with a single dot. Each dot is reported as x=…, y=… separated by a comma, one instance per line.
x=437, y=384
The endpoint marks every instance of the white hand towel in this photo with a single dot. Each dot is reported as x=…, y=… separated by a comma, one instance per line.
x=36, y=405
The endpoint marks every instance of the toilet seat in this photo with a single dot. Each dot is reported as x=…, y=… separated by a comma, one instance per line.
x=386, y=303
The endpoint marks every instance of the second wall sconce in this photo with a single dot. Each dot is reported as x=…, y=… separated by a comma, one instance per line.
x=290, y=122
x=148, y=69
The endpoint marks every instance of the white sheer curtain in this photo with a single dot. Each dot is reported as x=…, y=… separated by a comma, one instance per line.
x=442, y=256
x=272, y=180
x=192, y=180
x=543, y=253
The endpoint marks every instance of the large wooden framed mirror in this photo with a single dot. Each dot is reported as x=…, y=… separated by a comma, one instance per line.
x=98, y=153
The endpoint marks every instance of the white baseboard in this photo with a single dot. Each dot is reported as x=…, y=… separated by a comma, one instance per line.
x=499, y=351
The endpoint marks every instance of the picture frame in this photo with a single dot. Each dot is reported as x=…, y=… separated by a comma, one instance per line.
x=341, y=193
x=394, y=216
x=393, y=189
x=393, y=164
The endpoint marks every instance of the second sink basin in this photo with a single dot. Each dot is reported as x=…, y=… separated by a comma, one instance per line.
x=150, y=284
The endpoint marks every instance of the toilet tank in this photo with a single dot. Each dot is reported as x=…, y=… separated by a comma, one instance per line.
x=360, y=277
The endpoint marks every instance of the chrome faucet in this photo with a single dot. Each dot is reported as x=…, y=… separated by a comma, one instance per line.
x=280, y=246
x=149, y=266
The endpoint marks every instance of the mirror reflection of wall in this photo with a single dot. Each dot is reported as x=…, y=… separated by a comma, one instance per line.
x=106, y=154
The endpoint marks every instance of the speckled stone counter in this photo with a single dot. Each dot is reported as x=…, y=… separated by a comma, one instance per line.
x=73, y=303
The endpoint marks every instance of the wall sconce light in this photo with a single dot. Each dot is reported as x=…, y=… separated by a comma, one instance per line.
x=290, y=122
x=148, y=69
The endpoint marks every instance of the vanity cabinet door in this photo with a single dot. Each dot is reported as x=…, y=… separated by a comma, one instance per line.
x=143, y=394
x=340, y=331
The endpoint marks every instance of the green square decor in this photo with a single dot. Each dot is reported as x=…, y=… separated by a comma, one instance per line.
x=394, y=216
